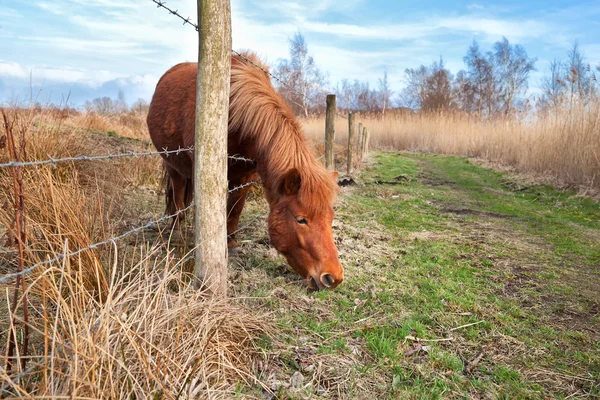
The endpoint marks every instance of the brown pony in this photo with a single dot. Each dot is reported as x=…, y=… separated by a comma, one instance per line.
x=262, y=127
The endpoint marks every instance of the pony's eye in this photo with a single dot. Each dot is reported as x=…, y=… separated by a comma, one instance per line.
x=302, y=220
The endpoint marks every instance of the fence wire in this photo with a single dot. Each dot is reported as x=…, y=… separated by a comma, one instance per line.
x=13, y=381
x=248, y=225
x=187, y=21
x=94, y=246
x=244, y=185
x=120, y=237
x=54, y=161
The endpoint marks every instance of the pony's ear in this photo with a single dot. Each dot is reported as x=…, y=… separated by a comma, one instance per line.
x=335, y=175
x=290, y=183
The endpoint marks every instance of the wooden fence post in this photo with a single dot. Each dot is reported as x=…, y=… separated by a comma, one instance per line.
x=367, y=139
x=360, y=141
x=210, y=146
x=330, y=132
x=364, y=142
x=350, y=142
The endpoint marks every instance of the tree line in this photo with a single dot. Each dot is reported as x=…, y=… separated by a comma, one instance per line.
x=493, y=83
x=107, y=106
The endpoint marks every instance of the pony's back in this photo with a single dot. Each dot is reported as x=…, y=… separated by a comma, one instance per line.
x=171, y=116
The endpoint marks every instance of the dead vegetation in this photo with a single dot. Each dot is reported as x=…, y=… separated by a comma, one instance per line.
x=120, y=320
x=561, y=147
x=123, y=321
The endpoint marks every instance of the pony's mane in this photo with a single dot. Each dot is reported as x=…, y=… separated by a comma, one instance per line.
x=258, y=111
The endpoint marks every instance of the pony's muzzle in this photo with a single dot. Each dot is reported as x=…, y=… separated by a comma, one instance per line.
x=325, y=281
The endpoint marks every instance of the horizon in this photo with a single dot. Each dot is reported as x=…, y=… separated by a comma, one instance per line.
x=92, y=49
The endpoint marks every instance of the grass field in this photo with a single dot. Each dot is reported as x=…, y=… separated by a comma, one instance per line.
x=460, y=283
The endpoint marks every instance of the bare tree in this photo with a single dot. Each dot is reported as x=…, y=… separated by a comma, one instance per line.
x=385, y=93
x=428, y=88
x=344, y=95
x=120, y=104
x=578, y=76
x=438, y=95
x=480, y=72
x=513, y=66
x=304, y=82
x=553, y=86
x=413, y=94
x=140, y=106
x=464, y=92
x=101, y=105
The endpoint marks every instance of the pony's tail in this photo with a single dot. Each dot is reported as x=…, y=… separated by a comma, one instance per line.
x=170, y=208
x=167, y=184
x=189, y=192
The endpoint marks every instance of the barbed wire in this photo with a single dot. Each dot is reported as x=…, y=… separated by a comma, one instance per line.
x=244, y=185
x=94, y=246
x=317, y=144
x=13, y=381
x=249, y=224
x=116, y=238
x=187, y=20
x=229, y=236
x=54, y=161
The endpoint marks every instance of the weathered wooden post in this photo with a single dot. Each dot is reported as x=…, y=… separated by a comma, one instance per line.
x=350, y=142
x=367, y=139
x=360, y=141
x=330, y=132
x=364, y=142
x=210, y=146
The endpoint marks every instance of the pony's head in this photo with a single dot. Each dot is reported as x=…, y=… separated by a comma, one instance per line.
x=300, y=227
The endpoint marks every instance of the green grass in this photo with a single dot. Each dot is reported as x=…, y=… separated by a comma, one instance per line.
x=450, y=244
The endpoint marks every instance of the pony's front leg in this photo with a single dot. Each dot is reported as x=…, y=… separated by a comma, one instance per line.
x=235, y=205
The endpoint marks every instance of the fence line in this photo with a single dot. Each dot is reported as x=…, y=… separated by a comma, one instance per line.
x=121, y=237
x=95, y=245
x=187, y=21
x=17, y=164
x=249, y=224
x=244, y=185
x=54, y=161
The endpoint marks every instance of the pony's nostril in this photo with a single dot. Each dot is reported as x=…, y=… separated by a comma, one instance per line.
x=327, y=280
x=313, y=283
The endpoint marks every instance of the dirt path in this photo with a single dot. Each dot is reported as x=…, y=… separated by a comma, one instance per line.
x=500, y=284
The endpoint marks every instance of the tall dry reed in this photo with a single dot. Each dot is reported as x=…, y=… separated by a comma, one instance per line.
x=120, y=321
x=563, y=145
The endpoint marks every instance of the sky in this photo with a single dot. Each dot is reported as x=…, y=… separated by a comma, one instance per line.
x=51, y=50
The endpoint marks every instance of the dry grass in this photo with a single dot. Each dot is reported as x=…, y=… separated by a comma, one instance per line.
x=563, y=146
x=130, y=124
x=153, y=335
x=121, y=320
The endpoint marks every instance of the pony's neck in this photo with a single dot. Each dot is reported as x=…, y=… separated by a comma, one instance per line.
x=286, y=150
x=267, y=131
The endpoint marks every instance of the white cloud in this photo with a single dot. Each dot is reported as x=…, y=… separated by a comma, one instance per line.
x=54, y=85
x=101, y=44
x=490, y=27
x=41, y=74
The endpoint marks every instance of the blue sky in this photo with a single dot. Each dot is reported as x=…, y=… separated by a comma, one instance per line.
x=92, y=48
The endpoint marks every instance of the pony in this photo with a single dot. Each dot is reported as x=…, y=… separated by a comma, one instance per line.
x=300, y=191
